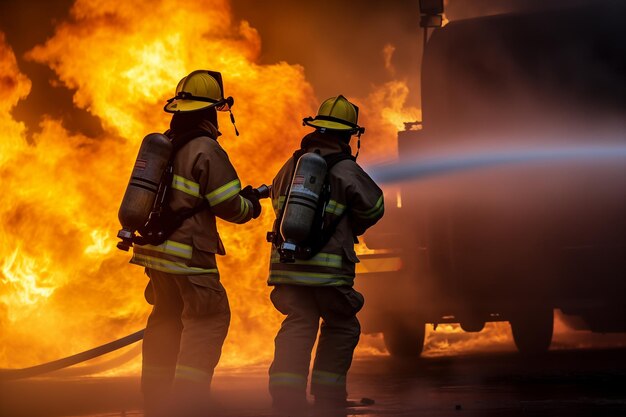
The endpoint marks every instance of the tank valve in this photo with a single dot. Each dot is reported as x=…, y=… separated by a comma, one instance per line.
x=288, y=252
x=127, y=239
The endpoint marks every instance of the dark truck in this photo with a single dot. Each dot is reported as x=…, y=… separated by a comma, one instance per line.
x=509, y=244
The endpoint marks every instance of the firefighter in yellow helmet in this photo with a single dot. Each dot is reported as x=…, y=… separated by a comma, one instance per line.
x=190, y=316
x=319, y=284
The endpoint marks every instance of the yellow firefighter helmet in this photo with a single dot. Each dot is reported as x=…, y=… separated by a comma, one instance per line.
x=336, y=113
x=199, y=90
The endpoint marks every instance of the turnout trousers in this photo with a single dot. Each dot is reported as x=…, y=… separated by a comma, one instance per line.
x=183, y=341
x=339, y=335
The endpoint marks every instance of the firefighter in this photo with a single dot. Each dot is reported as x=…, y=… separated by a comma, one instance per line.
x=321, y=287
x=190, y=315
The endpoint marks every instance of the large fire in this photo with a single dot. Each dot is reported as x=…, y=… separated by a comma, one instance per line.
x=64, y=287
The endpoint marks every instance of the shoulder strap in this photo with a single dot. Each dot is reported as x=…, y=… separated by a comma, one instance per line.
x=296, y=156
x=334, y=158
x=182, y=140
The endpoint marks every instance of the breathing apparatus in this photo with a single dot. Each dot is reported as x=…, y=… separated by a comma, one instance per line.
x=299, y=231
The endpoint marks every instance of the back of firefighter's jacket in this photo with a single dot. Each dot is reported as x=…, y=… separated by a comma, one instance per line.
x=354, y=197
x=202, y=171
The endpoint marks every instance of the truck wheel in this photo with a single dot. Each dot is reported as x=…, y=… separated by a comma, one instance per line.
x=405, y=340
x=472, y=326
x=532, y=331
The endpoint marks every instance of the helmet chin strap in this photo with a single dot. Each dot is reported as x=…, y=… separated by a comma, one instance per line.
x=226, y=105
x=360, y=131
x=232, y=120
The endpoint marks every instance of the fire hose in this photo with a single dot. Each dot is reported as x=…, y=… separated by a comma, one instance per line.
x=44, y=368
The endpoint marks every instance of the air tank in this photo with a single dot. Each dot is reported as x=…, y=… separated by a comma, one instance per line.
x=301, y=206
x=143, y=187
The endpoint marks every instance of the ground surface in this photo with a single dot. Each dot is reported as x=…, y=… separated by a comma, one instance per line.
x=563, y=383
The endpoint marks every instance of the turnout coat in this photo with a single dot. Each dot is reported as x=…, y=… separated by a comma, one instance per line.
x=202, y=171
x=353, y=195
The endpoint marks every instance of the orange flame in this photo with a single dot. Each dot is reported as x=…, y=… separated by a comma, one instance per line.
x=14, y=86
x=385, y=111
x=61, y=273
x=64, y=287
x=388, y=51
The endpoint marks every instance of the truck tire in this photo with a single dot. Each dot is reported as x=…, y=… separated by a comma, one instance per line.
x=532, y=330
x=405, y=340
x=472, y=326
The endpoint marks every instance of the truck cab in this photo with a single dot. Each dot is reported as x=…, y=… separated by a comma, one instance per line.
x=509, y=243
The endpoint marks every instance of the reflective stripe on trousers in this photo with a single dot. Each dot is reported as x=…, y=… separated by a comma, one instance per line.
x=328, y=378
x=338, y=336
x=199, y=305
x=189, y=373
x=288, y=379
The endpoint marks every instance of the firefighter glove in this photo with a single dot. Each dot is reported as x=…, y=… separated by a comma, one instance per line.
x=253, y=196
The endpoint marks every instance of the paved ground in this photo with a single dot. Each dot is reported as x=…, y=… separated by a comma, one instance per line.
x=563, y=383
